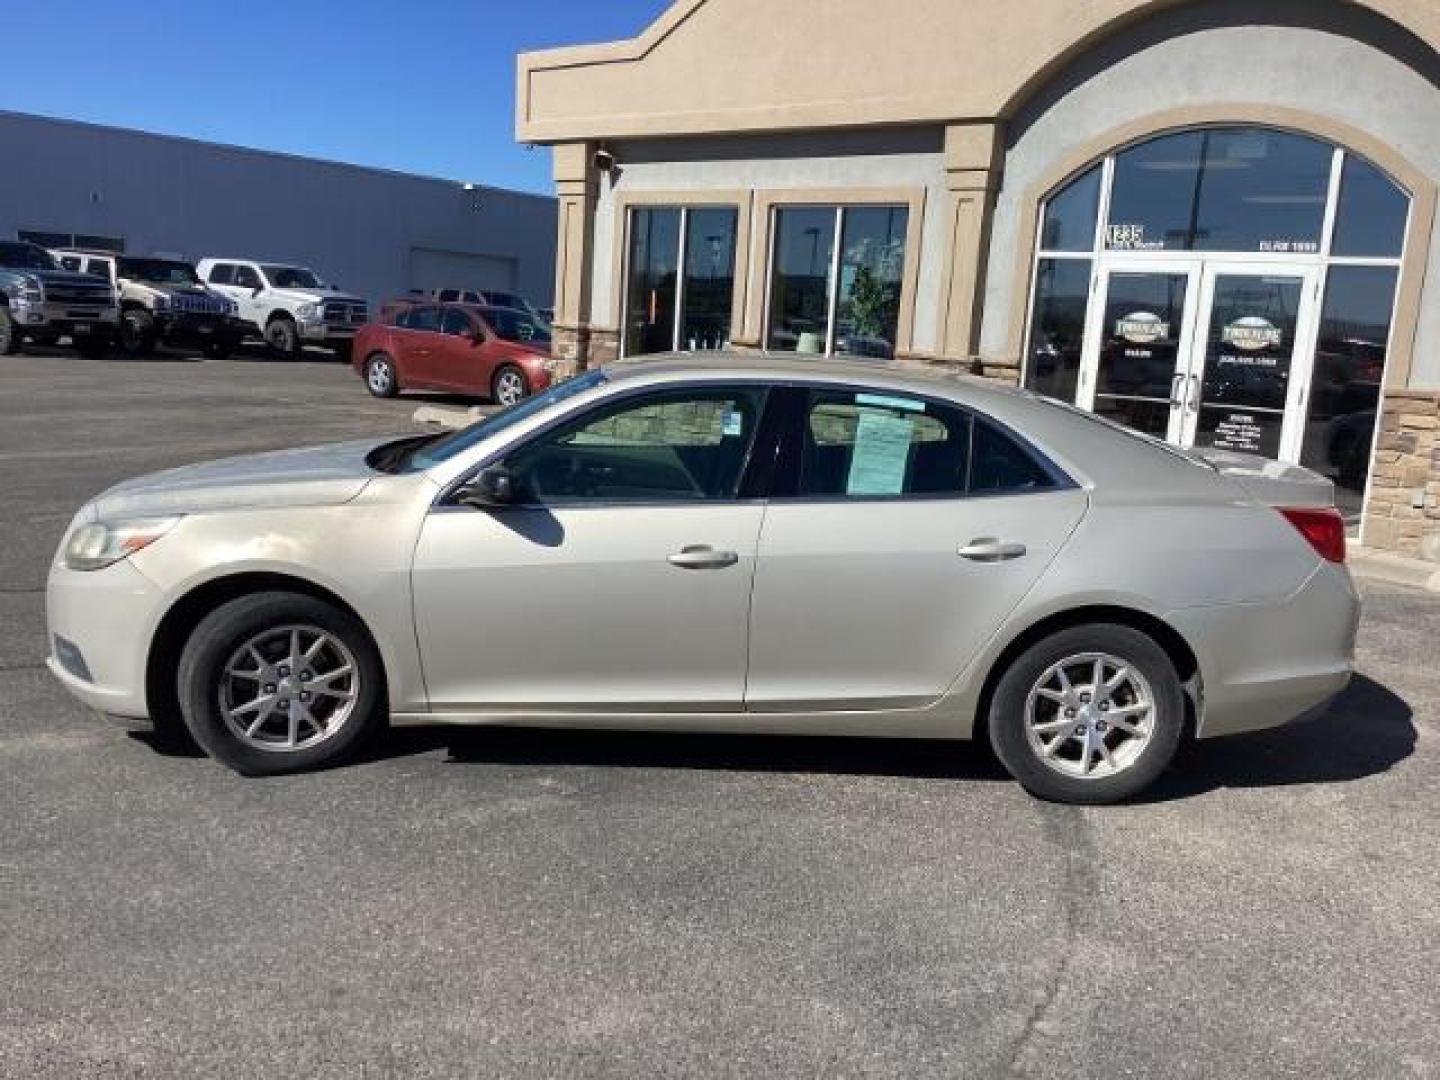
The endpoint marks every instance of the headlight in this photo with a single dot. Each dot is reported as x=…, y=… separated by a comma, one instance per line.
x=27, y=290
x=162, y=303
x=232, y=308
x=308, y=311
x=101, y=543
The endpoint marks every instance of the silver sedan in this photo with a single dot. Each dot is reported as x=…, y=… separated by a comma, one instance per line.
x=734, y=545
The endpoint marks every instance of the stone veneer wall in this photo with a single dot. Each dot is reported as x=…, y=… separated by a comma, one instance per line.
x=1403, y=511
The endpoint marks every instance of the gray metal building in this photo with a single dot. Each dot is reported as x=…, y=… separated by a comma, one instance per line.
x=370, y=231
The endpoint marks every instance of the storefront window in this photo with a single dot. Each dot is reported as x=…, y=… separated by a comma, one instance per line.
x=1057, y=326
x=823, y=304
x=1372, y=215
x=655, y=290
x=1349, y=371
x=1191, y=314
x=1070, y=215
x=1221, y=189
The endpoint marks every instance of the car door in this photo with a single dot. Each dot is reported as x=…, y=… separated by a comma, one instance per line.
x=419, y=344
x=619, y=579
x=462, y=358
x=901, y=533
x=248, y=292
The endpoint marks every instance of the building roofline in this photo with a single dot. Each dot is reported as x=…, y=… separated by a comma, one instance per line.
x=237, y=148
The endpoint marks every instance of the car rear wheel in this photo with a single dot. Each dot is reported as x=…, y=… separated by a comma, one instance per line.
x=283, y=337
x=509, y=386
x=9, y=334
x=280, y=682
x=1092, y=714
x=380, y=376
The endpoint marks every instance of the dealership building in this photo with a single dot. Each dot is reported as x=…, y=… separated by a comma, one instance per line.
x=1212, y=221
x=371, y=232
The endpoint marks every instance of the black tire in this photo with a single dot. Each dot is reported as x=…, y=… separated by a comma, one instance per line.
x=215, y=641
x=1008, y=716
x=9, y=333
x=93, y=346
x=380, y=377
x=504, y=374
x=343, y=352
x=136, y=334
x=283, y=337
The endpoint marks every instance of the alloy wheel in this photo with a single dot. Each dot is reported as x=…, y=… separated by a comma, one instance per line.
x=379, y=376
x=1090, y=716
x=289, y=688
x=509, y=387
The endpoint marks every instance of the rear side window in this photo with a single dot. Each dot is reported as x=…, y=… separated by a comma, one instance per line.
x=222, y=274
x=859, y=445
x=457, y=322
x=246, y=277
x=866, y=445
x=70, y=262
x=100, y=267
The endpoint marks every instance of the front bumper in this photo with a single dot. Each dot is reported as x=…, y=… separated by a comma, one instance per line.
x=188, y=328
x=66, y=318
x=99, y=626
x=1263, y=665
x=329, y=332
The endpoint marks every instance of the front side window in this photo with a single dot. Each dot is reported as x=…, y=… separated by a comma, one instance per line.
x=456, y=322
x=426, y=319
x=836, y=276
x=246, y=277
x=222, y=274
x=668, y=446
x=680, y=278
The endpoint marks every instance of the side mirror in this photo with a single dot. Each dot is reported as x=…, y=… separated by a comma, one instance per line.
x=477, y=337
x=491, y=488
x=257, y=290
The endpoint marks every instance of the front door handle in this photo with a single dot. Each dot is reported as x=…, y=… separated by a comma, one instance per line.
x=1175, y=384
x=988, y=549
x=1194, y=399
x=702, y=557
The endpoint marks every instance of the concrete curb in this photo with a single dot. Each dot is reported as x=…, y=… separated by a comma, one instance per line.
x=449, y=417
x=1395, y=569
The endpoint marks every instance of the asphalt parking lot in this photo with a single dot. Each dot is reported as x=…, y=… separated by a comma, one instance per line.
x=511, y=903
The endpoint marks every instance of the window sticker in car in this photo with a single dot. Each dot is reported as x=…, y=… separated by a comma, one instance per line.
x=733, y=423
x=880, y=455
x=886, y=402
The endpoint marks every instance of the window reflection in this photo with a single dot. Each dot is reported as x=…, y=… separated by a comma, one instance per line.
x=872, y=264
x=1221, y=189
x=709, y=278
x=800, y=279
x=650, y=291
x=1349, y=371
x=1057, y=327
x=1070, y=216
x=1372, y=215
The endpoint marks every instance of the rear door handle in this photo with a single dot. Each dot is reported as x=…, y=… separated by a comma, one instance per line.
x=702, y=557
x=988, y=549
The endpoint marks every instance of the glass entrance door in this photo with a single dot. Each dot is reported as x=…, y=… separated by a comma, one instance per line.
x=1138, y=347
x=1244, y=388
x=1202, y=353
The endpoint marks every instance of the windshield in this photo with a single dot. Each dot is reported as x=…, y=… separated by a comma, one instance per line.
x=519, y=326
x=26, y=257
x=157, y=271
x=293, y=277
x=447, y=446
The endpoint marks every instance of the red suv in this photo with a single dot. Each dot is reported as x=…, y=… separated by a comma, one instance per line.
x=499, y=353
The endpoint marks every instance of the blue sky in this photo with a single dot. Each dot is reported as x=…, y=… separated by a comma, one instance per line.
x=426, y=86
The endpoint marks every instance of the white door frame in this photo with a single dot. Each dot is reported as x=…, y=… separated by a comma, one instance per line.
x=1200, y=272
x=1095, y=326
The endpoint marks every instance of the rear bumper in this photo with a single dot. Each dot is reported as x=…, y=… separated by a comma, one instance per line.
x=1263, y=665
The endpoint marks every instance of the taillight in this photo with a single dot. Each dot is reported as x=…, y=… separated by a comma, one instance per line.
x=1323, y=527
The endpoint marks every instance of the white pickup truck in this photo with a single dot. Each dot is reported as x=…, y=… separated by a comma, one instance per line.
x=289, y=306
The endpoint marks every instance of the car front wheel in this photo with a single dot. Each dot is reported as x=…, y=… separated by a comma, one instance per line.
x=280, y=682
x=509, y=386
x=380, y=376
x=1092, y=714
x=283, y=337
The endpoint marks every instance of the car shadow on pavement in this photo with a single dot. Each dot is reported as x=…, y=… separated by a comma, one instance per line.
x=916, y=758
x=1367, y=730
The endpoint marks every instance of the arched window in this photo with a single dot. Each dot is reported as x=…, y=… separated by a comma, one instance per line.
x=1230, y=286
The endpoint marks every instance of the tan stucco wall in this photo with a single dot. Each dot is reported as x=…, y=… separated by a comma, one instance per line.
x=709, y=66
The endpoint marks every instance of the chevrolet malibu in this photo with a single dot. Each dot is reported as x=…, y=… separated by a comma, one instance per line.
x=736, y=545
